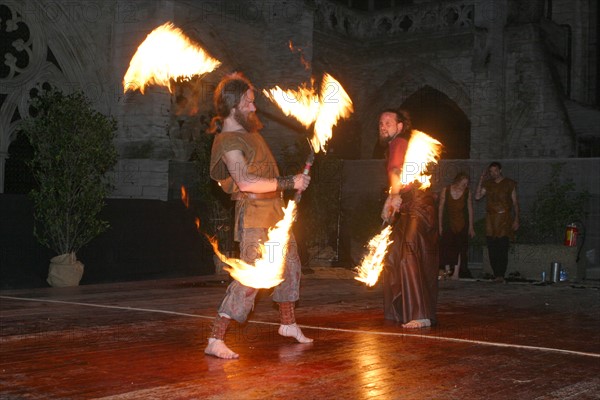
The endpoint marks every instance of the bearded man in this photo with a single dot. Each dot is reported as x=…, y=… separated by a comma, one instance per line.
x=410, y=272
x=244, y=166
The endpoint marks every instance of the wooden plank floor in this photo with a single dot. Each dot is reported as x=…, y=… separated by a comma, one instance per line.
x=145, y=340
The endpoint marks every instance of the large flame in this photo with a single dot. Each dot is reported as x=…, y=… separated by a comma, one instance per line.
x=166, y=54
x=324, y=108
x=267, y=271
x=422, y=151
x=372, y=264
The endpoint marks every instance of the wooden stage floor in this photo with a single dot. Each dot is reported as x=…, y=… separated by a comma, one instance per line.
x=145, y=340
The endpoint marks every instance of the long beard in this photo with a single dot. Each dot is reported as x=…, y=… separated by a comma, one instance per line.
x=249, y=121
x=384, y=140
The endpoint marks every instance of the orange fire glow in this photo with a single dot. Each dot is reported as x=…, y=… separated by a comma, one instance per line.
x=422, y=151
x=324, y=108
x=166, y=54
x=184, y=197
x=295, y=49
x=372, y=264
x=267, y=271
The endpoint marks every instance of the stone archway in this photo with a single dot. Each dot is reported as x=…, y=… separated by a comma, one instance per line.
x=38, y=53
x=438, y=103
x=435, y=114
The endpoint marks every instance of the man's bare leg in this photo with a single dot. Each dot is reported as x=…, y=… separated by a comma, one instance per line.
x=417, y=323
x=216, y=345
x=288, y=327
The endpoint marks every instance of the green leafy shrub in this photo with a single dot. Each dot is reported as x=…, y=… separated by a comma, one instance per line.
x=73, y=151
x=556, y=204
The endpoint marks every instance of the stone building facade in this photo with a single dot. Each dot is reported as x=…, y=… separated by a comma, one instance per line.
x=489, y=78
x=511, y=80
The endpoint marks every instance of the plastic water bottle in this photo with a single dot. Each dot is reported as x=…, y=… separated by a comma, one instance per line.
x=563, y=275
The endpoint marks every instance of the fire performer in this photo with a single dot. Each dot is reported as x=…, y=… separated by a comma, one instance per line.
x=244, y=166
x=411, y=265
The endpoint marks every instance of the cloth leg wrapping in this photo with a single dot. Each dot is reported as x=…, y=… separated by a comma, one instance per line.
x=286, y=313
x=219, y=327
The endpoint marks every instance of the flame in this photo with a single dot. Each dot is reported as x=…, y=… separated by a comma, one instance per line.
x=166, y=53
x=372, y=264
x=197, y=221
x=184, y=197
x=324, y=109
x=267, y=271
x=294, y=49
x=422, y=150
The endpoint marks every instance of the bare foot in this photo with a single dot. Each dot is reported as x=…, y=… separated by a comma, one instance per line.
x=217, y=348
x=417, y=323
x=294, y=331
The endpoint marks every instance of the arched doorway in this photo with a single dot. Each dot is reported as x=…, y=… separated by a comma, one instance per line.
x=18, y=178
x=437, y=115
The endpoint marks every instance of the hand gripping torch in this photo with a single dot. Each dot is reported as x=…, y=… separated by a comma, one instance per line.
x=309, y=162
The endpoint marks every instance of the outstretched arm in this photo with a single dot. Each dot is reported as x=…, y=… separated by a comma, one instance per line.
x=247, y=182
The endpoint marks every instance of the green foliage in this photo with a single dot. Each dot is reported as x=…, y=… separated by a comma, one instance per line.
x=73, y=151
x=556, y=204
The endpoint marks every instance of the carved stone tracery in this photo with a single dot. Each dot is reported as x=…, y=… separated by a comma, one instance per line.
x=24, y=71
x=427, y=17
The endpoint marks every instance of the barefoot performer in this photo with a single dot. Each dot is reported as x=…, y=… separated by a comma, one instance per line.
x=244, y=166
x=411, y=265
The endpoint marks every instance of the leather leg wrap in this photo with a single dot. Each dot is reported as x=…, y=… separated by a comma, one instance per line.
x=219, y=327
x=286, y=313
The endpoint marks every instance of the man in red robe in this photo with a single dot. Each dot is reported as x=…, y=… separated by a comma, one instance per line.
x=410, y=283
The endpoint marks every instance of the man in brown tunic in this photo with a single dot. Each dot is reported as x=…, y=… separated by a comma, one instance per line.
x=500, y=223
x=244, y=166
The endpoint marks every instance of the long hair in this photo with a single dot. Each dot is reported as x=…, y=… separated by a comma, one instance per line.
x=404, y=117
x=227, y=96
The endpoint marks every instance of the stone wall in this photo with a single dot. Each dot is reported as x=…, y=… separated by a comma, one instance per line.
x=483, y=62
x=364, y=181
x=88, y=45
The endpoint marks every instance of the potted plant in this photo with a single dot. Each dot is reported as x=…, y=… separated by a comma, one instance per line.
x=72, y=152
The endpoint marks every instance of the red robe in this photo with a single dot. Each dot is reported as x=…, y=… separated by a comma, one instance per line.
x=410, y=274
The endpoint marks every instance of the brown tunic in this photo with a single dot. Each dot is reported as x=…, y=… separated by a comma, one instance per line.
x=249, y=213
x=499, y=216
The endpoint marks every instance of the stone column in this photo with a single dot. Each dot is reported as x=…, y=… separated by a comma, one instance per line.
x=3, y=158
x=488, y=100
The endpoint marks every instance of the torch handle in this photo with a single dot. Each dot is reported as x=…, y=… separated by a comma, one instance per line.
x=306, y=171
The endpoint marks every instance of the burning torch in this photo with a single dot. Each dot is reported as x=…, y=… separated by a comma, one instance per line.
x=322, y=110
